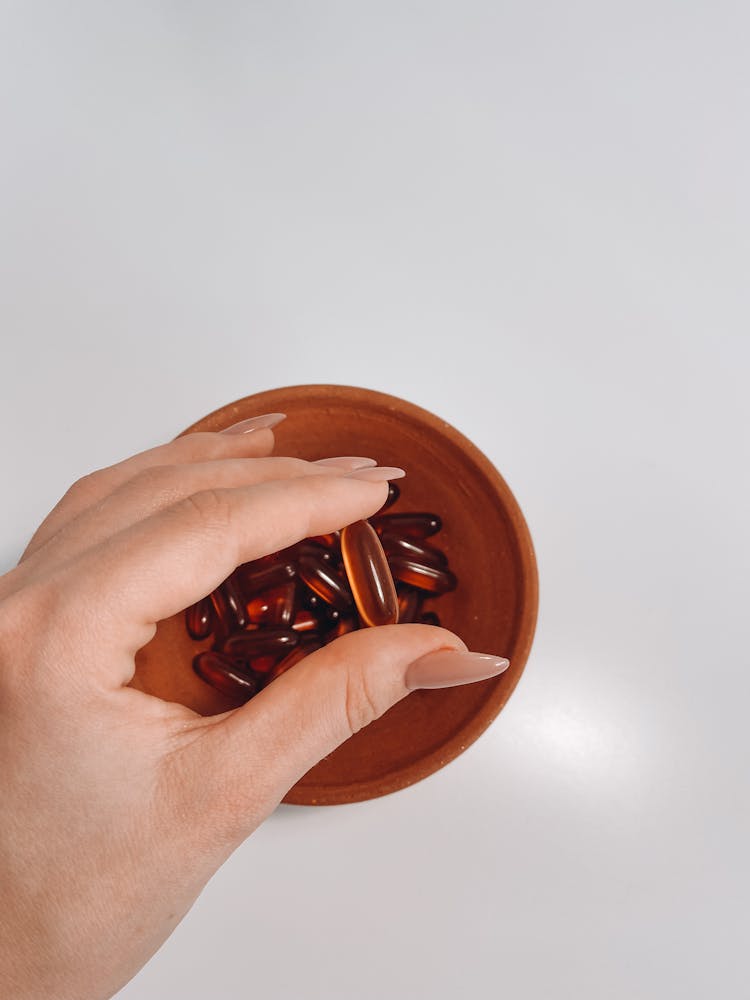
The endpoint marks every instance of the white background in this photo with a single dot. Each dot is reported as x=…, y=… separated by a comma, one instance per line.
x=532, y=219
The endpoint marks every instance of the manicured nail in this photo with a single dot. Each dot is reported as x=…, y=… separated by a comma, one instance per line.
x=379, y=474
x=347, y=462
x=448, y=667
x=254, y=423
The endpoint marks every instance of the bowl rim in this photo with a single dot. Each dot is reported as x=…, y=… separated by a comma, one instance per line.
x=415, y=770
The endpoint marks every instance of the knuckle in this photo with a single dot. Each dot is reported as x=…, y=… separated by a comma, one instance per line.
x=361, y=707
x=211, y=508
x=83, y=487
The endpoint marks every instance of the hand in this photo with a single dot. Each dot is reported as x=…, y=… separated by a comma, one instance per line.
x=118, y=807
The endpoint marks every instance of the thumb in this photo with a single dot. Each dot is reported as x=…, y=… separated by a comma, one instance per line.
x=269, y=743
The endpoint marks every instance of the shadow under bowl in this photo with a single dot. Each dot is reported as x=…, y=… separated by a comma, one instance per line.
x=485, y=537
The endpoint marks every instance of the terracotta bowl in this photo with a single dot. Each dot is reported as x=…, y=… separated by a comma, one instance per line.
x=488, y=545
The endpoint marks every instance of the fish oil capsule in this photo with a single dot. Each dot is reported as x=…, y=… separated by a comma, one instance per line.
x=430, y=578
x=429, y=618
x=308, y=548
x=326, y=581
x=225, y=675
x=274, y=607
x=263, y=664
x=368, y=573
x=409, y=604
x=402, y=545
x=305, y=621
x=258, y=577
x=393, y=494
x=331, y=540
x=304, y=649
x=416, y=525
x=345, y=624
x=245, y=646
x=199, y=619
x=229, y=603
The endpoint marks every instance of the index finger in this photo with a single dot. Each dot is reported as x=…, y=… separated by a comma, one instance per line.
x=164, y=563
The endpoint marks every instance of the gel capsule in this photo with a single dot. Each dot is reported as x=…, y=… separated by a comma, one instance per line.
x=303, y=650
x=274, y=607
x=429, y=618
x=225, y=675
x=258, y=577
x=401, y=545
x=419, y=525
x=369, y=576
x=409, y=604
x=199, y=619
x=229, y=603
x=331, y=540
x=422, y=576
x=305, y=621
x=393, y=494
x=345, y=624
x=245, y=646
x=325, y=581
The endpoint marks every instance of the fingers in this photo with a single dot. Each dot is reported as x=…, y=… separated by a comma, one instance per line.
x=198, y=447
x=157, y=487
x=162, y=564
x=257, y=752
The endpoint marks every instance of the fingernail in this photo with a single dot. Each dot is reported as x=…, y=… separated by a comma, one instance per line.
x=347, y=462
x=377, y=475
x=448, y=667
x=254, y=423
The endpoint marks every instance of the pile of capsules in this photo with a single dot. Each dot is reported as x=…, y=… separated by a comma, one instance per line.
x=272, y=612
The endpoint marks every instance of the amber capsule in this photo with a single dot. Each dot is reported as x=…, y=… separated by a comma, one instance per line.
x=246, y=646
x=263, y=664
x=402, y=545
x=423, y=577
x=429, y=618
x=274, y=607
x=258, y=577
x=393, y=494
x=368, y=573
x=331, y=540
x=199, y=619
x=223, y=674
x=345, y=624
x=417, y=525
x=305, y=621
x=229, y=603
x=303, y=650
x=409, y=604
x=326, y=581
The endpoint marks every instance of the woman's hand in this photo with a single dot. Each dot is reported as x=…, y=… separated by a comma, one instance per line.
x=116, y=807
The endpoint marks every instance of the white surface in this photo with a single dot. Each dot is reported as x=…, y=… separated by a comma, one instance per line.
x=532, y=219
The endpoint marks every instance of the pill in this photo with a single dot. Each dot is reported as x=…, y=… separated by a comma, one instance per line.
x=258, y=577
x=273, y=607
x=368, y=574
x=224, y=675
x=314, y=549
x=429, y=618
x=417, y=525
x=409, y=604
x=305, y=621
x=199, y=619
x=244, y=646
x=229, y=603
x=419, y=551
x=345, y=624
x=263, y=664
x=326, y=581
x=303, y=650
x=393, y=494
x=420, y=575
x=331, y=540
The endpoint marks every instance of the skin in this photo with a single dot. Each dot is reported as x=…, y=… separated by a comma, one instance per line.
x=108, y=828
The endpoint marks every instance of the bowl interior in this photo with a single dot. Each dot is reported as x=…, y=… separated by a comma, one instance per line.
x=486, y=540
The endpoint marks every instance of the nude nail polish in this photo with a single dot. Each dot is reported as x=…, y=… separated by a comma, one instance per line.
x=378, y=474
x=350, y=462
x=265, y=420
x=449, y=667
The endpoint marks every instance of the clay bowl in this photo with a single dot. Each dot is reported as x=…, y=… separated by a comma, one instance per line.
x=488, y=545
